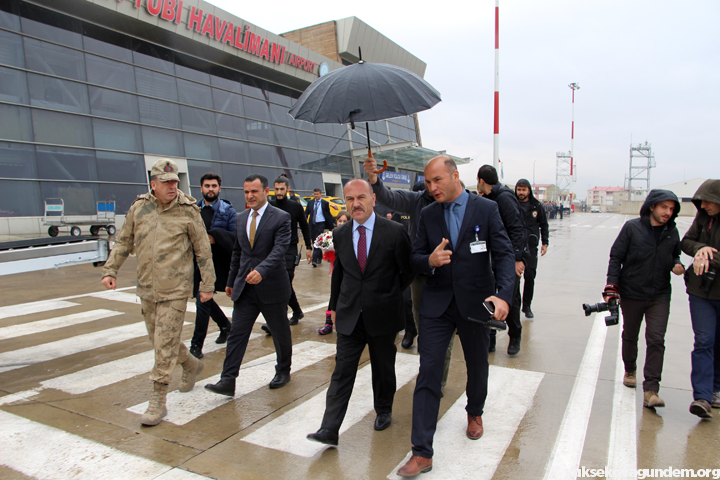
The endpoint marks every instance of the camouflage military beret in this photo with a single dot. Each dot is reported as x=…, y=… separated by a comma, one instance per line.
x=165, y=170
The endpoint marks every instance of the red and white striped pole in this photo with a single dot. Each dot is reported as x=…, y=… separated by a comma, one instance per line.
x=573, y=86
x=496, y=131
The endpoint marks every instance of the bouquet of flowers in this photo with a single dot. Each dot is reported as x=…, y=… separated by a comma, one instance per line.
x=324, y=241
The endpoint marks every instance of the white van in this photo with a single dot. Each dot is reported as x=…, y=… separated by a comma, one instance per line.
x=594, y=209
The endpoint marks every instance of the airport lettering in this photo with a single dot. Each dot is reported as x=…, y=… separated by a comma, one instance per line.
x=226, y=32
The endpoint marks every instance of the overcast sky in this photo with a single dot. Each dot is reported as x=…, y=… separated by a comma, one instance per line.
x=648, y=70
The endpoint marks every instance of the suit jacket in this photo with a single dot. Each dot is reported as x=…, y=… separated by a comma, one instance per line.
x=376, y=293
x=310, y=213
x=267, y=256
x=469, y=276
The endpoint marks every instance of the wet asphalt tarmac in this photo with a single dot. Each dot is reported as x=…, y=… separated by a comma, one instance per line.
x=70, y=388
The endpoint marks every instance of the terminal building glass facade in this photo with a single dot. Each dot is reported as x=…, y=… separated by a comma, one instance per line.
x=82, y=105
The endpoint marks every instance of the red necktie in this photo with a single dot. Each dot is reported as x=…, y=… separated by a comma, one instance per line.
x=362, y=249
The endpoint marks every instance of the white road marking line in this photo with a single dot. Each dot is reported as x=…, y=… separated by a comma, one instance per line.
x=30, y=328
x=58, y=455
x=116, y=371
x=510, y=396
x=570, y=440
x=117, y=296
x=622, y=451
x=17, y=397
x=34, y=307
x=288, y=431
x=50, y=351
x=186, y=407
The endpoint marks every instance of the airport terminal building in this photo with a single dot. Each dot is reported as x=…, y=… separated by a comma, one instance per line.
x=93, y=92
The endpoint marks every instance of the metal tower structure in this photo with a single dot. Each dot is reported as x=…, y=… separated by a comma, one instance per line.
x=641, y=161
x=565, y=169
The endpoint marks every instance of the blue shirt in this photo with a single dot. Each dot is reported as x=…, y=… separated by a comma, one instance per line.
x=369, y=226
x=460, y=205
x=319, y=217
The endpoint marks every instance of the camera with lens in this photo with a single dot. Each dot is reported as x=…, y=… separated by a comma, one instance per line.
x=707, y=280
x=611, y=306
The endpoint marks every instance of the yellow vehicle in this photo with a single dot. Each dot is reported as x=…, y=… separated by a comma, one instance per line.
x=337, y=204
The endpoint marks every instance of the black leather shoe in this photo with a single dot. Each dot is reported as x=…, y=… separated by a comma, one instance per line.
x=324, y=436
x=222, y=338
x=266, y=329
x=514, y=346
x=383, y=421
x=528, y=313
x=279, y=380
x=408, y=339
x=196, y=352
x=296, y=318
x=491, y=345
x=223, y=387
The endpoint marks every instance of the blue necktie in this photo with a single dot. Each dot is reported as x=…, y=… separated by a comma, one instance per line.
x=453, y=224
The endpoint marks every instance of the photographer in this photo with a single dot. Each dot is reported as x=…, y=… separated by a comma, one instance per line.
x=641, y=259
x=702, y=242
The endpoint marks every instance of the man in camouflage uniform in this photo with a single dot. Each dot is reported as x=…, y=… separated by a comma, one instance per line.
x=164, y=227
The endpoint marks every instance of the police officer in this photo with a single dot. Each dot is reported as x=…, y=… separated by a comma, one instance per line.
x=537, y=228
x=165, y=228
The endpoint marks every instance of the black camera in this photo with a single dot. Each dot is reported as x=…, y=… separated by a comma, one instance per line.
x=707, y=280
x=611, y=306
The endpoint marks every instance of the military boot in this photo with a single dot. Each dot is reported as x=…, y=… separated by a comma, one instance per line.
x=156, y=410
x=191, y=368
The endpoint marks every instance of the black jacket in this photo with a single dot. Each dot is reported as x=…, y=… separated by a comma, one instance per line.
x=704, y=232
x=512, y=217
x=535, y=219
x=639, y=265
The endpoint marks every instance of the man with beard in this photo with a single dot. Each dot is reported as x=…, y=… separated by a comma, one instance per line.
x=219, y=218
x=641, y=259
x=537, y=226
x=297, y=217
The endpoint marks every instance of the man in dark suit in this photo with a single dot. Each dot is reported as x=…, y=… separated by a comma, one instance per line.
x=372, y=268
x=258, y=283
x=319, y=219
x=457, y=238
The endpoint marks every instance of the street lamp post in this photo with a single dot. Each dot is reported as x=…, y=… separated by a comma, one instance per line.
x=534, y=171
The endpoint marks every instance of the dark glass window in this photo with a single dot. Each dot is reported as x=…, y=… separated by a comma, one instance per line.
x=17, y=161
x=15, y=123
x=107, y=43
x=196, y=120
x=53, y=59
x=288, y=157
x=233, y=151
x=113, y=104
x=117, y=135
x=58, y=94
x=110, y=74
x=11, y=49
x=324, y=128
x=256, y=109
x=326, y=144
x=235, y=196
x=157, y=112
x=156, y=84
x=201, y=146
x=285, y=137
x=259, y=131
x=124, y=195
x=279, y=114
x=159, y=141
x=229, y=126
x=13, y=86
x=120, y=167
x=263, y=155
x=194, y=94
x=192, y=73
x=251, y=90
x=227, y=102
x=197, y=169
x=20, y=199
x=51, y=26
x=154, y=57
x=225, y=83
x=284, y=100
x=79, y=198
x=9, y=20
x=307, y=141
x=55, y=163
x=61, y=128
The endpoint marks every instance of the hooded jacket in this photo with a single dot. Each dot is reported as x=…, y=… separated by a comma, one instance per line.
x=639, y=264
x=704, y=232
x=535, y=217
x=222, y=229
x=512, y=217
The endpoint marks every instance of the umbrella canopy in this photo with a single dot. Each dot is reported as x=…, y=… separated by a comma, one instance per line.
x=364, y=92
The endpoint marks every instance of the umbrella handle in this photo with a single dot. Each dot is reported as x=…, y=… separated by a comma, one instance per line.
x=384, y=163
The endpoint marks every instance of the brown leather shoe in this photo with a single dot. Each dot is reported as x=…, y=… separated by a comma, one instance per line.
x=415, y=466
x=475, y=427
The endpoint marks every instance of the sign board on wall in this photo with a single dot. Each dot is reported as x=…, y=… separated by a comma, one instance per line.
x=396, y=178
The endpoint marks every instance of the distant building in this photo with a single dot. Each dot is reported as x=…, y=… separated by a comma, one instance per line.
x=610, y=199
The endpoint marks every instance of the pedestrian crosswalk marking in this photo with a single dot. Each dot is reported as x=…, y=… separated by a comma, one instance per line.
x=287, y=432
x=34, y=307
x=22, y=329
x=510, y=395
x=186, y=407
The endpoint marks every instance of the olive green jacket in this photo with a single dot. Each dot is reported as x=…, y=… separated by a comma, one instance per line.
x=164, y=240
x=704, y=232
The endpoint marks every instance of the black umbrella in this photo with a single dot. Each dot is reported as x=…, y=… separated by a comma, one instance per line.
x=364, y=92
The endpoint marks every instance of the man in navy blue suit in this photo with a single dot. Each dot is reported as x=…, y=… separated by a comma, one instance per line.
x=460, y=238
x=319, y=220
